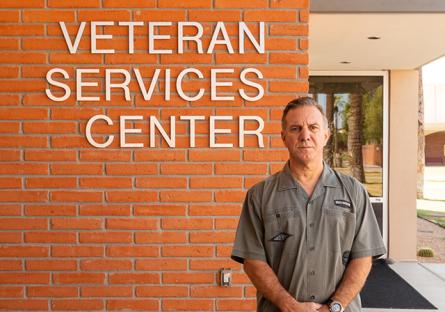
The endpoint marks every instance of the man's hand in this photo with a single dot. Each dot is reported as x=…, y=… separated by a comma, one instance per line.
x=323, y=308
x=295, y=306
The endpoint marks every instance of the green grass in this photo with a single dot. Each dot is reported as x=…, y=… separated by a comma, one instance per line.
x=436, y=217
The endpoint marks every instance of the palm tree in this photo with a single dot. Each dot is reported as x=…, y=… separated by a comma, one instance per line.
x=355, y=140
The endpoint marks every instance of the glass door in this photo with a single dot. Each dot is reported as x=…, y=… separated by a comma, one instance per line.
x=356, y=108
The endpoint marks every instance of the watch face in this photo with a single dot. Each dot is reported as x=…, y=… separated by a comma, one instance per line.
x=335, y=307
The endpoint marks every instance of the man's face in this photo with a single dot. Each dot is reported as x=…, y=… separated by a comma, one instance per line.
x=305, y=134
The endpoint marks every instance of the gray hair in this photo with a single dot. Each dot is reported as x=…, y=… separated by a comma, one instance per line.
x=303, y=101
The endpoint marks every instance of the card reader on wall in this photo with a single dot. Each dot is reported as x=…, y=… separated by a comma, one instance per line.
x=226, y=277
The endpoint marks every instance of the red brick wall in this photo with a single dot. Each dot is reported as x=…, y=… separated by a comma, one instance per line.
x=435, y=149
x=84, y=228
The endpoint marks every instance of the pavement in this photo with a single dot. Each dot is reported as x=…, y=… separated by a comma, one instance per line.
x=427, y=278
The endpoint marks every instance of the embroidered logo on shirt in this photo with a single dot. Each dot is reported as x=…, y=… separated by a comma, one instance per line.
x=342, y=203
x=280, y=237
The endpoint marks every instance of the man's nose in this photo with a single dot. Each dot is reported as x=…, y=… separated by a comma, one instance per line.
x=304, y=134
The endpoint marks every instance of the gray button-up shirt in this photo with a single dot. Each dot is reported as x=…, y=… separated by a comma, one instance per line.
x=307, y=241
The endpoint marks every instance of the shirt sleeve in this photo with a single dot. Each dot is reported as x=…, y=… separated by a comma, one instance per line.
x=250, y=232
x=367, y=240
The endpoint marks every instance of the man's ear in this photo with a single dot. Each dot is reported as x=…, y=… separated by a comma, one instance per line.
x=327, y=136
x=283, y=136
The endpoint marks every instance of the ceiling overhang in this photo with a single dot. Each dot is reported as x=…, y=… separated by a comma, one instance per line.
x=407, y=40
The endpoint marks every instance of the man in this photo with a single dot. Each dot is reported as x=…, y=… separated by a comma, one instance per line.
x=307, y=234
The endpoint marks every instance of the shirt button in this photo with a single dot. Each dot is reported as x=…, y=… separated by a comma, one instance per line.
x=312, y=297
x=312, y=273
x=311, y=224
x=312, y=248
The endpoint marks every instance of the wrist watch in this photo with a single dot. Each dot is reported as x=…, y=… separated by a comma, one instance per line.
x=334, y=306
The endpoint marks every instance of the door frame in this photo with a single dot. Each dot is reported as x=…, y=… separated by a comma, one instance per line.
x=385, y=75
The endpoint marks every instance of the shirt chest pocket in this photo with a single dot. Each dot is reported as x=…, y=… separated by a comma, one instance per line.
x=338, y=224
x=283, y=230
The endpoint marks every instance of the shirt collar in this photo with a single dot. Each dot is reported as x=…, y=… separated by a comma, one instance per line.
x=286, y=180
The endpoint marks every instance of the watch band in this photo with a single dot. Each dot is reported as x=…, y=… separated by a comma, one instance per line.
x=334, y=306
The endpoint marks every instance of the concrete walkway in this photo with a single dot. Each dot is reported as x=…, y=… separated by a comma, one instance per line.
x=427, y=278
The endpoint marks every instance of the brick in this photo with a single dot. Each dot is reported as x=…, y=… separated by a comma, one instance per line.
x=236, y=305
x=74, y=4
x=9, y=16
x=78, y=305
x=132, y=224
x=164, y=237
x=50, y=210
x=270, y=155
x=161, y=291
x=215, y=210
x=9, y=155
x=22, y=305
x=186, y=5
x=289, y=4
x=14, y=86
x=105, y=265
x=186, y=58
x=23, y=196
x=187, y=305
x=187, y=251
x=132, y=251
x=76, y=224
x=214, y=155
x=36, y=16
x=215, y=291
x=8, y=237
x=270, y=16
x=11, y=292
x=10, y=127
x=44, y=44
x=49, y=127
x=290, y=86
x=23, y=113
x=160, y=15
x=136, y=58
x=246, y=58
x=288, y=58
x=103, y=15
x=9, y=44
x=104, y=210
x=210, y=265
x=288, y=30
x=160, y=183
x=10, y=100
x=224, y=4
x=24, y=278
x=76, y=169
x=251, y=181
x=105, y=237
x=20, y=4
x=77, y=251
x=185, y=196
x=186, y=224
x=133, y=305
x=10, y=183
x=212, y=237
x=226, y=223
x=159, y=155
x=131, y=196
x=51, y=265
x=188, y=278
x=50, y=182
x=240, y=169
x=22, y=251
x=229, y=196
x=71, y=142
x=114, y=291
x=51, y=291
x=134, y=278
x=9, y=72
x=23, y=141
x=105, y=182
x=11, y=265
x=50, y=155
x=76, y=196
x=78, y=278
x=131, y=169
x=186, y=169
x=50, y=237
x=161, y=265
x=215, y=182
x=22, y=30
x=210, y=16
x=105, y=155
x=129, y=4
x=83, y=58
x=223, y=251
x=159, y=210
